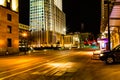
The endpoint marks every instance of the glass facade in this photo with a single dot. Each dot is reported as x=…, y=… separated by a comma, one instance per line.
x=45, y=19
x=58, y=3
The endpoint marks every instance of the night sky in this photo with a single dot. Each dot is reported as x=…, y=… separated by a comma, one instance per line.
x=81, y=15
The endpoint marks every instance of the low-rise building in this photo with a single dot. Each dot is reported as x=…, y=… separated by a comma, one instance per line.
x=24, y=36
x=9, y=20
x=75, y=39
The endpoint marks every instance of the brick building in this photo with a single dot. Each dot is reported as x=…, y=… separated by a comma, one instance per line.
x=9, y=22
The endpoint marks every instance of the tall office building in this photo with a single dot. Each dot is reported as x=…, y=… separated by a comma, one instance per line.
x=58, y=3
x=47, y=22
x=9, y=23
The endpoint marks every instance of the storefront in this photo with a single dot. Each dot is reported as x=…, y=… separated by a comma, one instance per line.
x=103, y=43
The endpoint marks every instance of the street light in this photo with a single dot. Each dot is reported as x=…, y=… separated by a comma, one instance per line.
x=24, y=35
x=109, y=45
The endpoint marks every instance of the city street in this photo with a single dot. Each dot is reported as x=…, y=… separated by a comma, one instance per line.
x=56, y=65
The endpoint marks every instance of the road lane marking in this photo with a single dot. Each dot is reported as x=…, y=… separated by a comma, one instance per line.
x=27, y=66
x=2, y=78
x=36, y=72
x=58, y=70
x=17, y=68
x=47, y=72
x=59, y=73
x=20, y=72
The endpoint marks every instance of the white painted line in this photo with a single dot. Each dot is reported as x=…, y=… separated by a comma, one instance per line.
x=20, y=72
x=24, y=70
x=60, y=73
x=15, y=69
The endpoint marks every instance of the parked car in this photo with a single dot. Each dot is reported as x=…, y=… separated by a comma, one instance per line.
x=111, y=56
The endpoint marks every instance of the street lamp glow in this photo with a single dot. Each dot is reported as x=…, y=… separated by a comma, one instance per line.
x=24, y=34
x=64, y=29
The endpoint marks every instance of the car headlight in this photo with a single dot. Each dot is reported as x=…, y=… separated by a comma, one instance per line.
x=101, y=54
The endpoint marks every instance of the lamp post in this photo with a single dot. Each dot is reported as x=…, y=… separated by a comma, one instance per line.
x=109, y=42
x=24, y=35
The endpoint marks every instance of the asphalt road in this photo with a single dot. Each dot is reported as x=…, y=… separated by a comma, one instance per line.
x=57, y=65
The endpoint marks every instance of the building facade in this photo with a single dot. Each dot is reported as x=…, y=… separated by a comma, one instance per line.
x=58, y=3
x=47, y=22
x=24, y=37
x=111, y=17
x=75, y=40
x=9, y=20
x=105, y=14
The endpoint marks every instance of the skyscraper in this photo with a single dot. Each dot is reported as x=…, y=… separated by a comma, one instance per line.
x=58, y=3
x=47, y=22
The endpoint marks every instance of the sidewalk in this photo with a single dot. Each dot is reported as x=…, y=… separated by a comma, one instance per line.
x=85, y=49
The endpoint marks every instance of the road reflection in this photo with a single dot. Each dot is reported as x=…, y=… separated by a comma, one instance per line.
x=57, y=65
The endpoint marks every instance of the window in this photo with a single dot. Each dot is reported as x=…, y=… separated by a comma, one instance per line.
x=9, y=42
x=9, y=17
x=9, y=29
